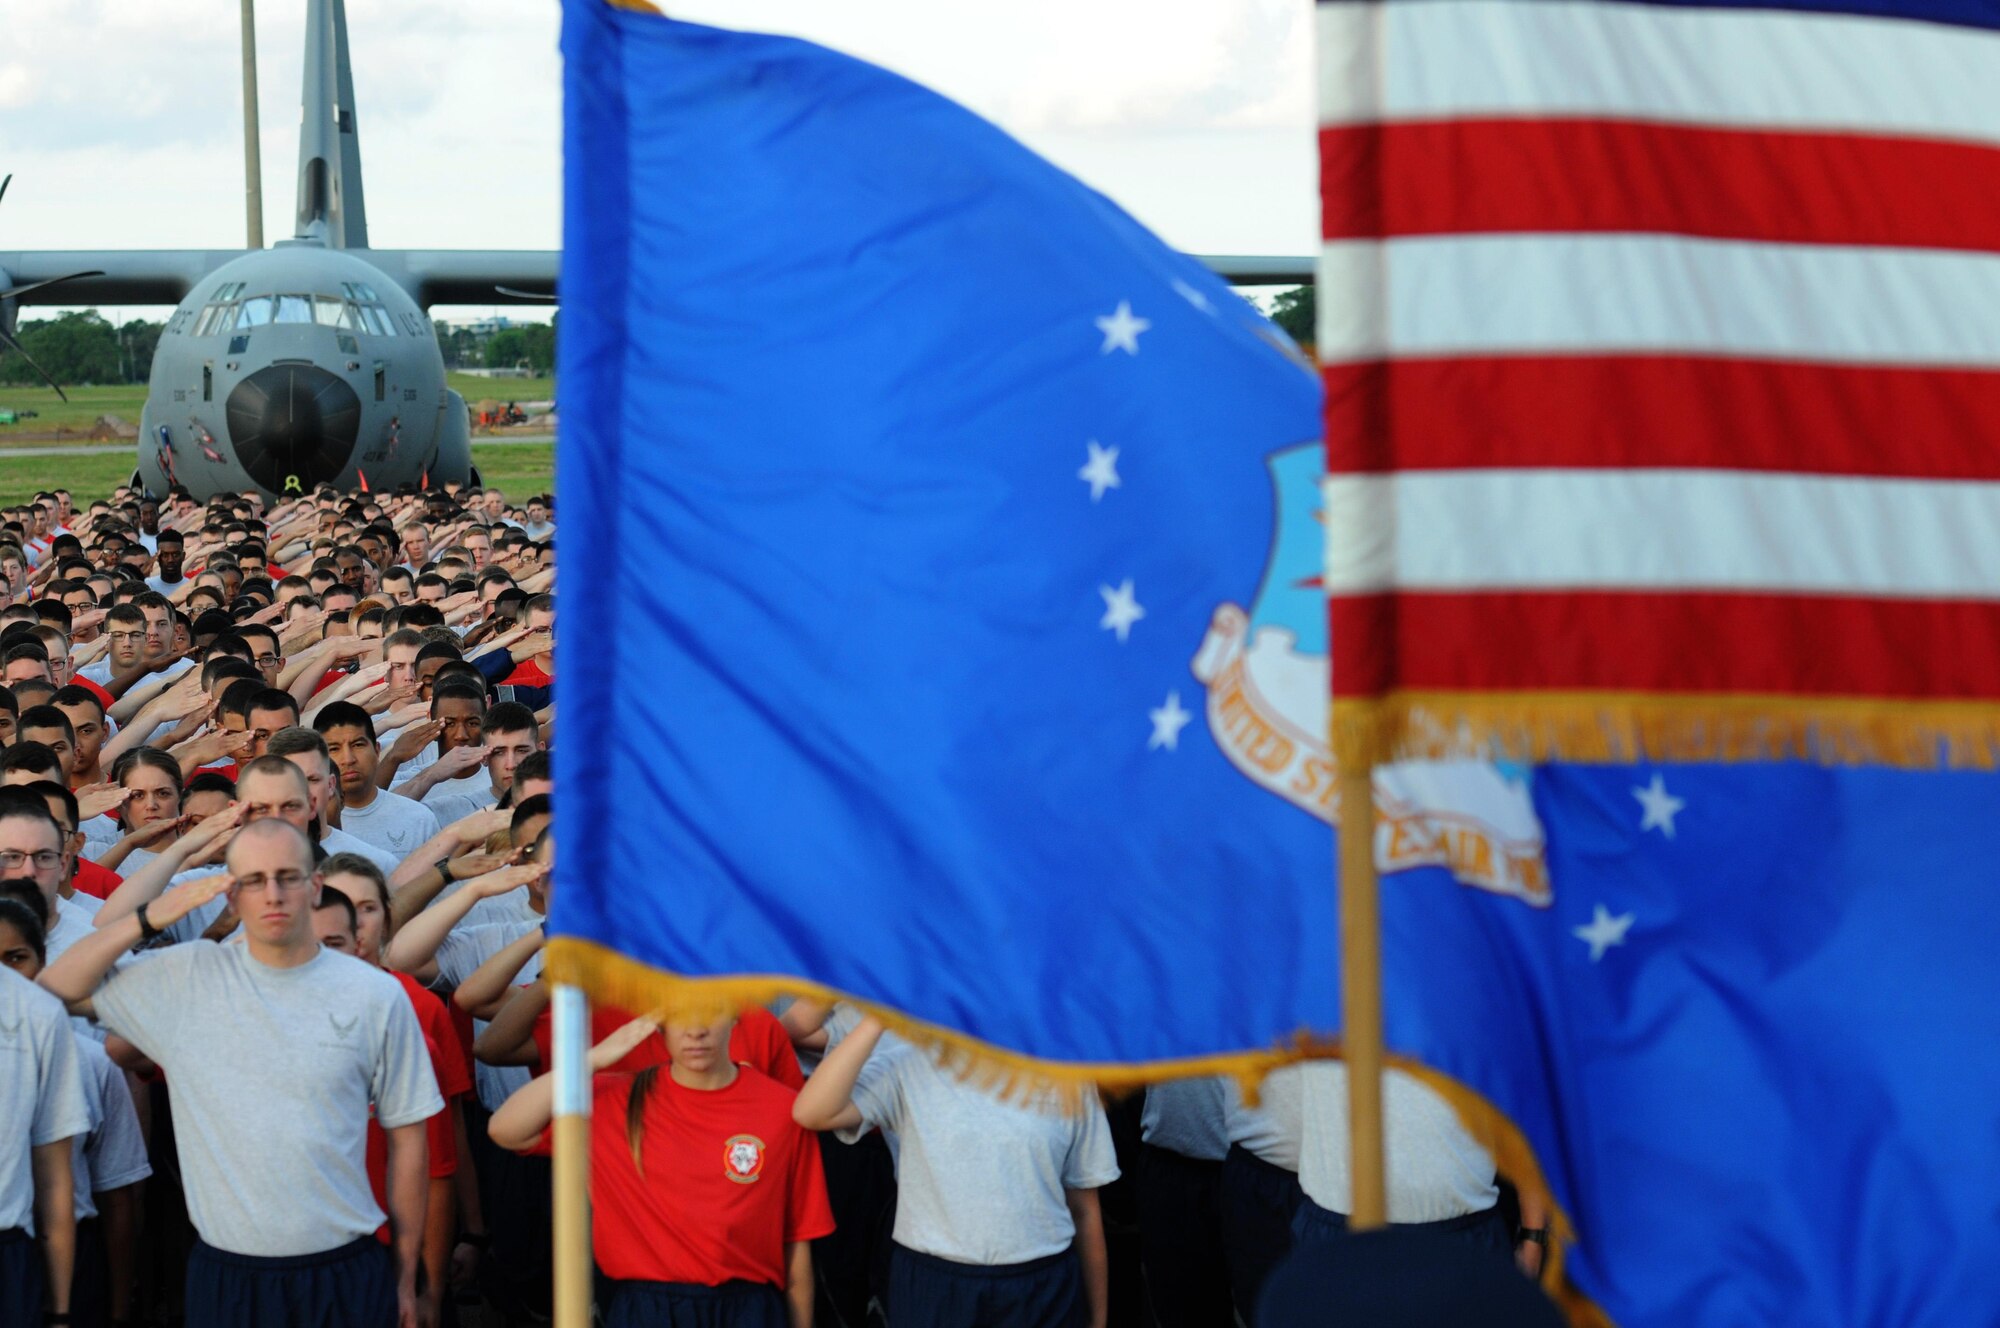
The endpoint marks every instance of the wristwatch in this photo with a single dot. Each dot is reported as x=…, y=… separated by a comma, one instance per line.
x=148, y=933
x=1538, y=1235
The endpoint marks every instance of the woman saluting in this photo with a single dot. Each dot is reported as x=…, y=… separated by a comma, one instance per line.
x=704, y=1192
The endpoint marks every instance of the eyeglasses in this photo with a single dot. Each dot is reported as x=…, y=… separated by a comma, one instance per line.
x=285, y=881
x=266, y=661
x=128, y=636
x=12, y=859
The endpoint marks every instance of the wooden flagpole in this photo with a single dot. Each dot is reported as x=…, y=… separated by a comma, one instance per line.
x=1361, y=978
x=571, y=1052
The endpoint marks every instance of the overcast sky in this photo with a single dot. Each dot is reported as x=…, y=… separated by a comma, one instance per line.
x=122, y=122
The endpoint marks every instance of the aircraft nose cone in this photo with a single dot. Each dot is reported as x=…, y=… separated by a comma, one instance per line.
x=293, y=426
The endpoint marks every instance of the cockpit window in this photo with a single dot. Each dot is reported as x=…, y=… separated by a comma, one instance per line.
x=361, y=311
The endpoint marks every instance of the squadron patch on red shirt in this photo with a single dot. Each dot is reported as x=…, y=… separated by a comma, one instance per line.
x=743, y=1158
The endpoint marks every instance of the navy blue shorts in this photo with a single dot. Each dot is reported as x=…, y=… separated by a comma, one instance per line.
x=1259, y=1200
x=352, y=1286
x=90, y=1278
x=1486, y=1228
x=928, y=1292
x=686, y=1305
x=20, y=1280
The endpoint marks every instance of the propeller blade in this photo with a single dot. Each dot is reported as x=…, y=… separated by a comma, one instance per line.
x=513, y=294
x=7, y=340
x=5, y=180
x=18, y=291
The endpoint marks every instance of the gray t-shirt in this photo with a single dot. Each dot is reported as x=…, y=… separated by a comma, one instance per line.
x=463, y=951
x=1186, y=1117
x=41, y=1090
x=70, y=924
x=393, y=823
x=273, y=1071
x=1436, y=1169
x=456, y=799
x=113, y=1154
x=1269, y=1130
x=980, y=1180
x=337, y=840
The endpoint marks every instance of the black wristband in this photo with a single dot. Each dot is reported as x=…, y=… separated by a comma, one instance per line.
x=444, y=870
x=148, y=933
x=1536, y=1235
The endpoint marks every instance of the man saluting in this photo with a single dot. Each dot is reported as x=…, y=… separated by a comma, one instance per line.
x=275, y=1049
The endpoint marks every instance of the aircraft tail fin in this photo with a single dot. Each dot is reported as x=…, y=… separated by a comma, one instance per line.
x=330, y=202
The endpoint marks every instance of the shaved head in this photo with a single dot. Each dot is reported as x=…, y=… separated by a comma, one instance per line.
x=268, y=833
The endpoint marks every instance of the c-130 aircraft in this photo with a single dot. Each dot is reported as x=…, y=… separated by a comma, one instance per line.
x=315, y=361
x=311, y=362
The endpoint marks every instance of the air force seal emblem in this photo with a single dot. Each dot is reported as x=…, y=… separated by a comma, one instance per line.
x=1265, y=671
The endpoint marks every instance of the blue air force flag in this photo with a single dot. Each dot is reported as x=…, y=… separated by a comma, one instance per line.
x=943, y=626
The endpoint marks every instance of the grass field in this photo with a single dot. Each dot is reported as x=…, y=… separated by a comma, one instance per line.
x=517, y=471
x=85, y=404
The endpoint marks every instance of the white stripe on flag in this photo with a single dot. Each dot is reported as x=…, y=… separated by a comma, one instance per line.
x=1603, y=294
x=1662, y=530
x=1460, y=59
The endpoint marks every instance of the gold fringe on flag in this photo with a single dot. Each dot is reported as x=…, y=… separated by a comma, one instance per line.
x=615, y=979
x=612, y=978
x=1618, y=728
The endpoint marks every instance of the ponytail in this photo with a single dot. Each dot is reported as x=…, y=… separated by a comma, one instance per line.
x=635, y=1113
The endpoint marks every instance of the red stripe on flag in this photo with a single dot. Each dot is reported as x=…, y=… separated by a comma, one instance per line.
x=1681, y=643
x=1624, y=411
x=1484, y=176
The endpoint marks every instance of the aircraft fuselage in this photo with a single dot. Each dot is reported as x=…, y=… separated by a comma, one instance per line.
x=297, y=366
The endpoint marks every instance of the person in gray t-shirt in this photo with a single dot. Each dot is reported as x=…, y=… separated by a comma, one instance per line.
x=42, y=1107
x=276, y=1050
x=997, y=1219
x=1185, y=1136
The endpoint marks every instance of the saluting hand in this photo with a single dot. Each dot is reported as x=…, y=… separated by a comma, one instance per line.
x=414, y=739
x=98, y=800
x=622, y=1043
x=459, y=760
x=180, y=900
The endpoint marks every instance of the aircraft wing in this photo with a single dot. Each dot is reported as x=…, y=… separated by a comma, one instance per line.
x=1259, y=269
x=431, y=276
x=499, y=276
x=125, y=276
x=469, y=276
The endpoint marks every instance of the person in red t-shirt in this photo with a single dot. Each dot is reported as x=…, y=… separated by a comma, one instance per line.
x=759, y=1039
x=705, y=1193
x=335, y=927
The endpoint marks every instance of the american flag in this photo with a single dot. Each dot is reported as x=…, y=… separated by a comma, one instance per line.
x=1660, y=346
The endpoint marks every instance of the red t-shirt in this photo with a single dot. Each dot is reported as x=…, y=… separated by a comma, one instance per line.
x=528, y=674
x=95, y=881
x=454, y=1066
x=758, y=1040
x=438, y=1131
x=730, y=1179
